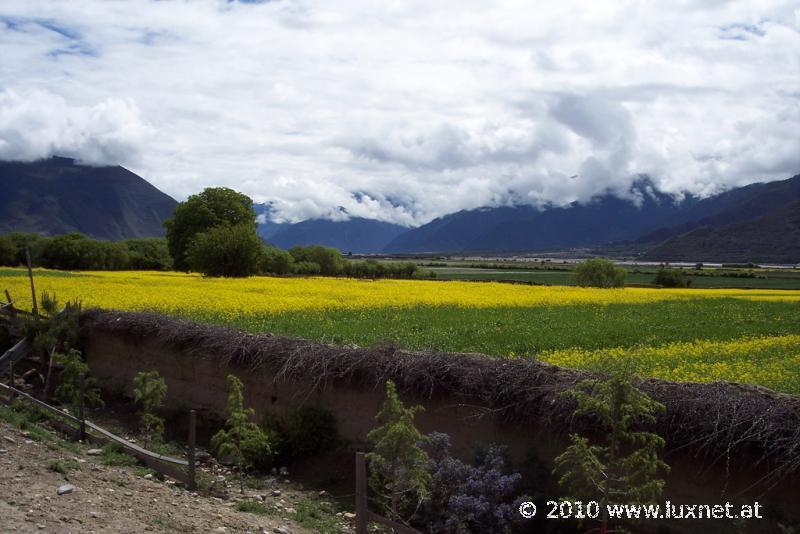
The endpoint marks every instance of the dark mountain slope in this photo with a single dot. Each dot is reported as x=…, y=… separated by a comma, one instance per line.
x=457, y=231
x=57, y=196
x=773, y=237
x=354, y=235
x=604, y=219
x=732, y=206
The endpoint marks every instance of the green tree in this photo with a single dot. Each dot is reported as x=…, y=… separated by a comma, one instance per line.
x=399, y=466
x=671, y=278
x=214, y=207
x=8, y=252
x=625, y=467
x=149, y=390
x=241, y=440
x=275, y=261
x=225, y=251
x=150, y=254
x=68, y=391
x=600, y=273
x=329, y=259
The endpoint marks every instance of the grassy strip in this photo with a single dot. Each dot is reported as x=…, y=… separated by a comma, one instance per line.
x=515, y=331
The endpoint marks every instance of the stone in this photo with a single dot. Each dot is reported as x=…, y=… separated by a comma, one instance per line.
x=291, y=511
x=94, y=452
x=322, y=493
x=284, y=472
x=9, y=439
x=3, y=451
x=148, y=476
x=281, y=530
x=220, y=530
x=66, y=489
x=276, y=493
x=349, y=515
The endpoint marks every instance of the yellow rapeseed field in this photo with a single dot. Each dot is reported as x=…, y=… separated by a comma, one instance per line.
x=167, y=291
x=676, y=334
x=772, y=361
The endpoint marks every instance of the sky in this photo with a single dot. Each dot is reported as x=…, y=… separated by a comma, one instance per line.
x=405, y=110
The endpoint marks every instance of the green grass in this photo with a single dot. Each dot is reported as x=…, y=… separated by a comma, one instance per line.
x=766, y=280
x=114, y=455
x=317, y=515
x=254, y=507
x=63, y=466
x=505, y=331
x=39, y=273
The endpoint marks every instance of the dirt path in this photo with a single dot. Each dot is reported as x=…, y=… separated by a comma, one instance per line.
x=111, y=499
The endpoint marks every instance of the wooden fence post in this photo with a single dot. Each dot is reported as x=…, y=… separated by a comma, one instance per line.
x=35, y=308
x=191, y=453
x=82, y=430
x=361, y=494
x=11, y=309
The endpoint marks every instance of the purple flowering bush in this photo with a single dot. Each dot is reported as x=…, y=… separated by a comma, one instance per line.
x=468, y=498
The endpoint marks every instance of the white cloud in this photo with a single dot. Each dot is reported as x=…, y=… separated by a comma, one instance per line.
x=37, y=124
x=405, y=111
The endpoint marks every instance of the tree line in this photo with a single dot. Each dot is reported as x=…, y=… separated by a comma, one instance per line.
x=213, y=233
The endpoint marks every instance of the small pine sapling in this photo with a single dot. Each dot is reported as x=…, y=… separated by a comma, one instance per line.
x=149, y=390
x=68, y=391
x=399, y=467
x=624, y=468
x=241, y=440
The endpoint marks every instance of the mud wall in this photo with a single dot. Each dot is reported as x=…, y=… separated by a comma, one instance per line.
x=198, y=381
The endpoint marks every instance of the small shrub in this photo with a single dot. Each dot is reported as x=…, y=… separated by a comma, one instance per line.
x=149, y=390
x=241, y=441
x=68, y=391
x=599, y=273
x=625, y=466
x=399, y=466
x=469, y=498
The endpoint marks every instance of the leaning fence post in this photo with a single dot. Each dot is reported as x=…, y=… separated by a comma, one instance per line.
x=361, y=494
x=82, y=430
x=11, y=377
x=11, y=308
x=190, y=454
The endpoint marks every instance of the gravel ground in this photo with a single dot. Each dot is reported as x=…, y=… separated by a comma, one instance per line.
x=112, y=499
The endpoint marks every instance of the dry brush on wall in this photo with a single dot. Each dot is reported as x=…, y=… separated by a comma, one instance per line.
x=716, y=422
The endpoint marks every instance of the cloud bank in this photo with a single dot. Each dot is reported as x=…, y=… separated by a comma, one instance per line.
x=405, y=111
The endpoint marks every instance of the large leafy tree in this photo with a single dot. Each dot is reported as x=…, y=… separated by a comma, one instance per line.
x=214, y=207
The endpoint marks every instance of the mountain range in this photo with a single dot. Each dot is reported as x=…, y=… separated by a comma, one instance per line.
x=757, y=222
x=357, y=235
x=57, y=195
x=651, y=219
